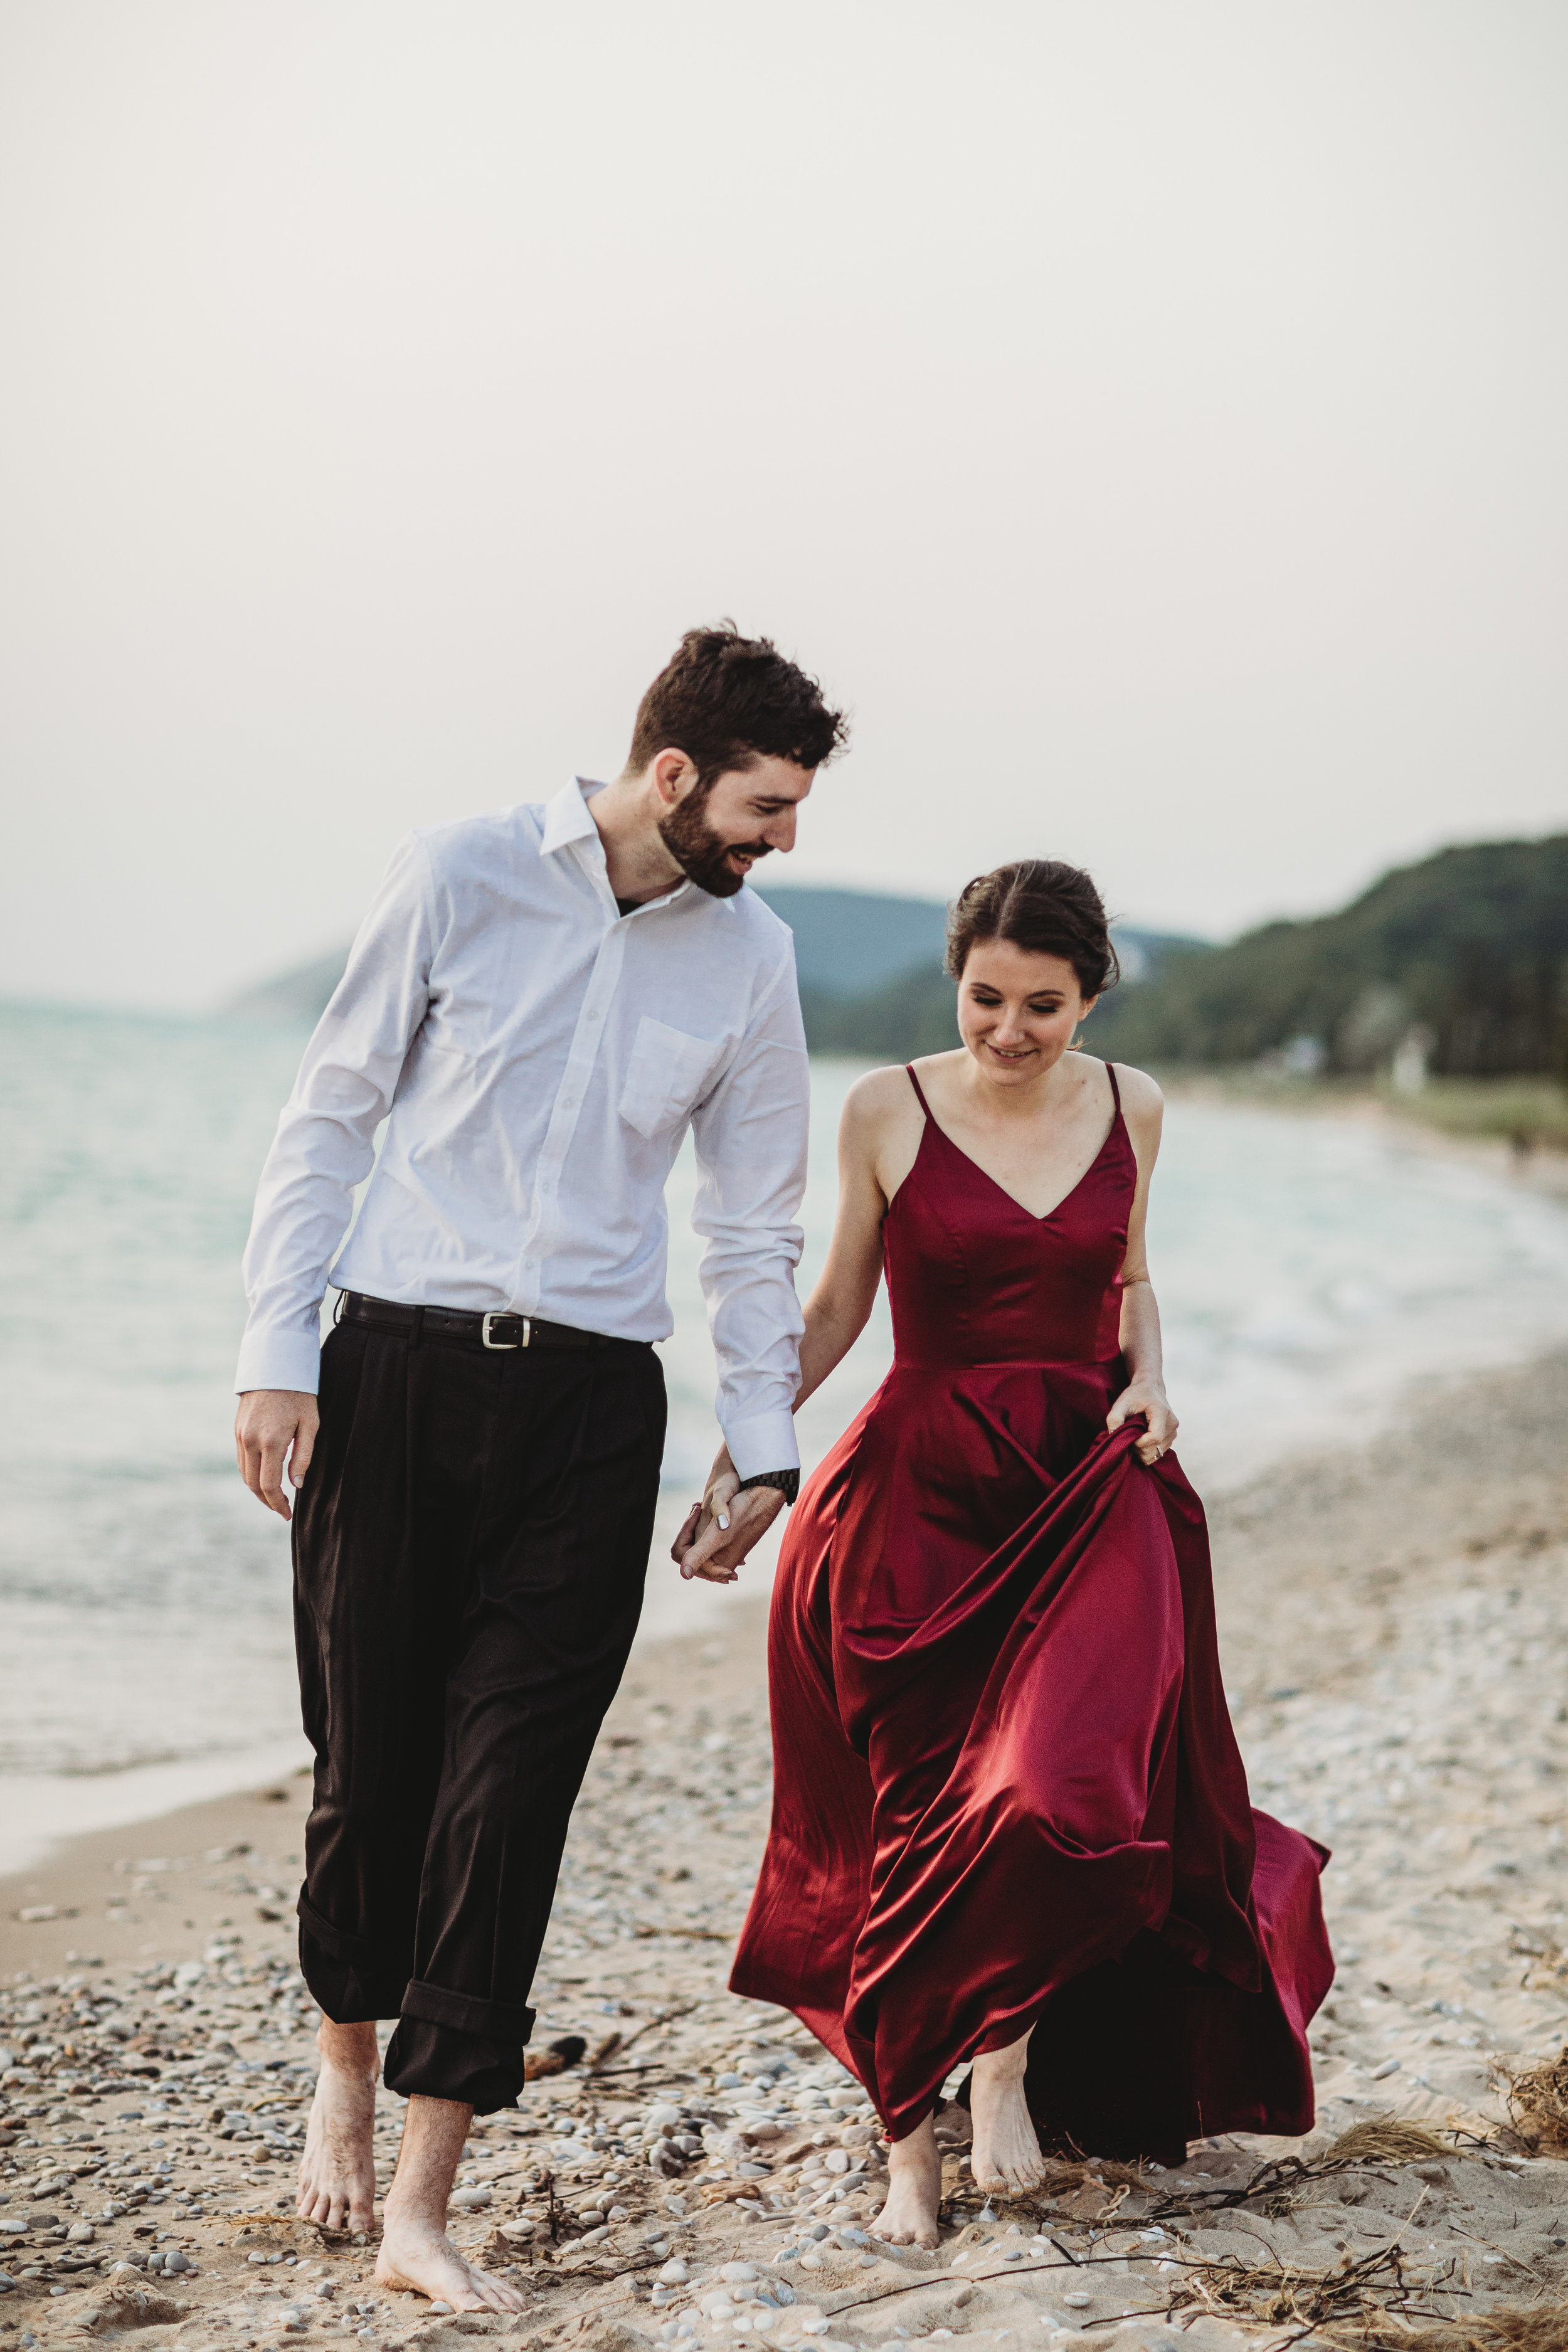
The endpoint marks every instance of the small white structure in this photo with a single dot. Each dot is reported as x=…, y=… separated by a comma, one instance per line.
x=1411, y=1056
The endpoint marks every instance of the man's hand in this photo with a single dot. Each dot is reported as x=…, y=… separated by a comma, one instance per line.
x=274, y=1427
x=717, y=1533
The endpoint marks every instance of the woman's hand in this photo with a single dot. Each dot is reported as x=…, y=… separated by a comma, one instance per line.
x=1148, y=1398
x=709, y=1526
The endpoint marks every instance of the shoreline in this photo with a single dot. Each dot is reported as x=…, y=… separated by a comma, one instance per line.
x=69, y=1811
x=1341, y=1495
x=1539, y=1165
x=149, y=1857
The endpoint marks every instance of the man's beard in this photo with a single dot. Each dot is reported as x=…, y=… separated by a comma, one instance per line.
x=697, y=849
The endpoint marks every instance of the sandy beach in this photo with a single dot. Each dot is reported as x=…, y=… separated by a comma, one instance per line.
x=1395, y=1639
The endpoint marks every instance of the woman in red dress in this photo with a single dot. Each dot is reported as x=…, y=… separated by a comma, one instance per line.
x=1010, y=1822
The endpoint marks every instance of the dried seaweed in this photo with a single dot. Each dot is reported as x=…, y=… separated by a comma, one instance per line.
x=1359, y=2304
x=1062, y=2177
x=1386, y=2139
x=1365, y=2306
x=1538, y=2102
x=1381, y=2139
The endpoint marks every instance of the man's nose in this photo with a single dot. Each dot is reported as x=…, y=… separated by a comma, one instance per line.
x=779, y=831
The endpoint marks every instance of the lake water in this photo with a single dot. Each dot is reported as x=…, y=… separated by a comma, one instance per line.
x=1308, y=1269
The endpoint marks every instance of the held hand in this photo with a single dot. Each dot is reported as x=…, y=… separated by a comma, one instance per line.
x=722, y=1481
x=725, y=1536
x=274, y=1426
x=719, y=1531
x=1148, y=1398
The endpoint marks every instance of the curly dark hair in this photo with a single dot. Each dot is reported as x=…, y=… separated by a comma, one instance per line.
x=1043, y=905
x=728, y=700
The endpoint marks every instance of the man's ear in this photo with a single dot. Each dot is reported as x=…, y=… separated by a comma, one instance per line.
x=673, y=776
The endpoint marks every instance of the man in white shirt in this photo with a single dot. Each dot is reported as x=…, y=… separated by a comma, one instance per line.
x=539, y=1004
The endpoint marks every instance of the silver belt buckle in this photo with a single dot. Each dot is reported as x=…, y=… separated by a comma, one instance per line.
x=503, y=1347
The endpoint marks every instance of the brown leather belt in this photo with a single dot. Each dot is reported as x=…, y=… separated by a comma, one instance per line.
x=499, y=1333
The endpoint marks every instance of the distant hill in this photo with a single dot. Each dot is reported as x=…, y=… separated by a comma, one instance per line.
x=297, y=996
x=1467, y=952
x=850, y=942
x=871, y=971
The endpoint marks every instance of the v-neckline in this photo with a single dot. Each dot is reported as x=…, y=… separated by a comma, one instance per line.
x=996, y=1186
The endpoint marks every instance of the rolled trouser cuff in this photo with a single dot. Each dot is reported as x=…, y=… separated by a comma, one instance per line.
x=487, y=2021
x=353, y=1979
x=433, y=2062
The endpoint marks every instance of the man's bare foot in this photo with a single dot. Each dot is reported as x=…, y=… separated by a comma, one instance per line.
x=1005, y=2157
x=337, y=2171
x=418, y=2255
x=914, y=2190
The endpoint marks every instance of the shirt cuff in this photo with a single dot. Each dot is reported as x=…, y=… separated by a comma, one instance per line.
x=763, y=1441
x=279, y=1359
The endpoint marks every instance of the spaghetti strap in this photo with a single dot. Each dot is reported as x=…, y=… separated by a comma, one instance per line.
x=910, y=1072
x=1115, y=1089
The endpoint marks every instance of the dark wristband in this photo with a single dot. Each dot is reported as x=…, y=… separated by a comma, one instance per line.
x=786, y=1481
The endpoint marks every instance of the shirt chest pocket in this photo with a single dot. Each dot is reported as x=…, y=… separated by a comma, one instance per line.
x=666, y=1074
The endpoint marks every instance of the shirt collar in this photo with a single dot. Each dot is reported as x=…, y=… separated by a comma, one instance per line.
x=566, y=820
x=566, y=816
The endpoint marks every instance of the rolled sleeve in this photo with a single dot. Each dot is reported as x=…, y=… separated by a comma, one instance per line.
x=325, y=1141
x=750, y=1141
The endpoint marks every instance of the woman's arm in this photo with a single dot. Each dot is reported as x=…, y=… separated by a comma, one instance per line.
x=716, y=1537
x=1143, y=1107
x=840, y=1306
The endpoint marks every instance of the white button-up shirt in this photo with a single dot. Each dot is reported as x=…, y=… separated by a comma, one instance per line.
x=538, y=1057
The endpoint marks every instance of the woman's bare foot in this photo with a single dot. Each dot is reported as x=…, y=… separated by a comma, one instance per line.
x=1005, y=2157
x=914, y=2190
x=337, y=2171
x=416, y=2253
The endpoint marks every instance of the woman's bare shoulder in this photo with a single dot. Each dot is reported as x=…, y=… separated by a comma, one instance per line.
x=1142, y=1111
x=878, y=1097
x=1140, y=1094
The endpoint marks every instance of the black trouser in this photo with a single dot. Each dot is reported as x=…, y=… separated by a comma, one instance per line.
x=469, y=1548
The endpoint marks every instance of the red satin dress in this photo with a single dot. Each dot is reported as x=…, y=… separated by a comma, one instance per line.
x=1006, y=1789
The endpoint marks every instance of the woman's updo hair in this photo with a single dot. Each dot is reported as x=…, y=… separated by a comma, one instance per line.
x=1042, y=906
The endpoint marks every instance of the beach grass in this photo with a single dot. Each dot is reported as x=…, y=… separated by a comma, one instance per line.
x=1530, y=1113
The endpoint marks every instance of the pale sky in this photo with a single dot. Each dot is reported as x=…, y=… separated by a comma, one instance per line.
x=1147, y=414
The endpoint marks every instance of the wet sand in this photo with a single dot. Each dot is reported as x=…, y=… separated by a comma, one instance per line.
x=1394, y=1632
